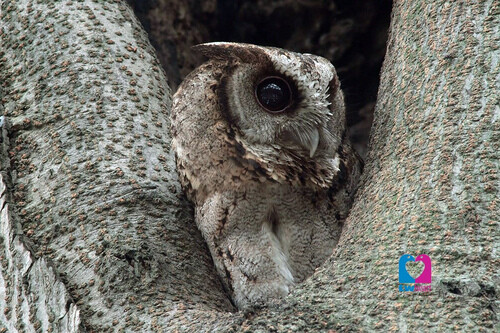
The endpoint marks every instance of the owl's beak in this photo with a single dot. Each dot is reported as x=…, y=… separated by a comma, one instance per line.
x=312, y=143
x=309, y=139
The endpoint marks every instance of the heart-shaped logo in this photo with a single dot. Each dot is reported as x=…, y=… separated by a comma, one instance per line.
x=414, y=268
x=424, y=277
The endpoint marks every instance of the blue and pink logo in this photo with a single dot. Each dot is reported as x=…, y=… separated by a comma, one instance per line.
x=423, y=282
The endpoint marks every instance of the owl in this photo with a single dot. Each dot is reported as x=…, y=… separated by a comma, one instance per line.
x=261, y=148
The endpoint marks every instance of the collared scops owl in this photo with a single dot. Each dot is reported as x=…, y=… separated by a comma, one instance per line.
x=260, y=140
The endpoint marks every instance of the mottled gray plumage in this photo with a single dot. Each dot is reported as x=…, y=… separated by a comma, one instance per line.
x=271, y=189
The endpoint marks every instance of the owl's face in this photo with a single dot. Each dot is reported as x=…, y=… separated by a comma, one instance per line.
x=276, y=99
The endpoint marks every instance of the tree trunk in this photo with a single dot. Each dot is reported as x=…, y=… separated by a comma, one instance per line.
x=97, y=236
x=91, y=178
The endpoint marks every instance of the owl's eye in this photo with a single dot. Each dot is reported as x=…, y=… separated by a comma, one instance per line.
x=274, y=94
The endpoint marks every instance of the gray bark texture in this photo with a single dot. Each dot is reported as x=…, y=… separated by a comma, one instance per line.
x=96, y=235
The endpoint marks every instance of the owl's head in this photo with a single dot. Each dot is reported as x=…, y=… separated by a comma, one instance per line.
x=277, y=99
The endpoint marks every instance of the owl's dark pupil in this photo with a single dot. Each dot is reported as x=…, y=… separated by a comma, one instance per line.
x=274, y=94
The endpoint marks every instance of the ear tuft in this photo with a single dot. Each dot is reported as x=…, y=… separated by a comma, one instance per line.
x=225, y=50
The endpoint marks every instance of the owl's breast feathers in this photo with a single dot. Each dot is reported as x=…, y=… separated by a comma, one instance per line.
x=340, y=171
x=238, y=164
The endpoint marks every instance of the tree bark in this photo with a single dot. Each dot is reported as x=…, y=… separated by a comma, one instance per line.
x=91, y=177
x=97, y=236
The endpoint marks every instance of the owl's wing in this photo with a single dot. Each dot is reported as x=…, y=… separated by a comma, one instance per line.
x=343, y=188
